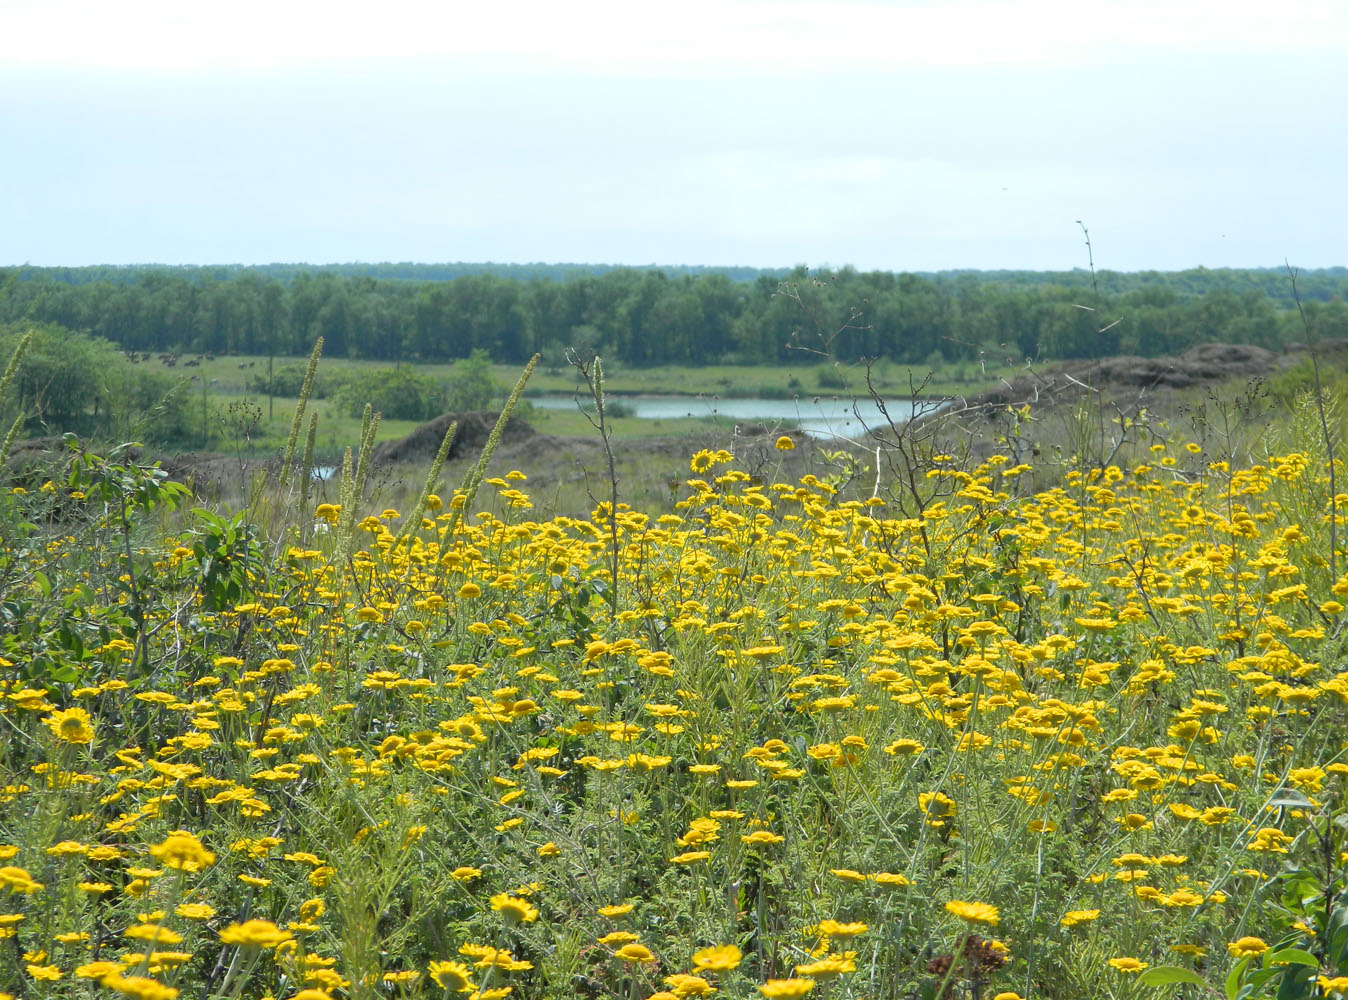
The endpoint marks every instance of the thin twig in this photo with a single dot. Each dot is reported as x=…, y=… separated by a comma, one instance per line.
x=1326, y=436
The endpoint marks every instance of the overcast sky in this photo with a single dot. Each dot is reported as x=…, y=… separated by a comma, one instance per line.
x=894, y=135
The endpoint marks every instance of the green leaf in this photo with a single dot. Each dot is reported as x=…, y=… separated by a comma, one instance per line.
x=1260, y=976
x=1290, y=798
x=1298, y=983
x=1292, y=956
x=1340, y=948
x=64, y=674
x=1237, y=973
x=1164, y=975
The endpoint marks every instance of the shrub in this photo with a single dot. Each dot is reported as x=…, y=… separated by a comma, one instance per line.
x=397, y=394
x=287, y=380
x=70, y=382
x=830, y=378
x=471, y=385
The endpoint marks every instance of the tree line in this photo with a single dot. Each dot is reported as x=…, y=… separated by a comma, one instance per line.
x=650, y=316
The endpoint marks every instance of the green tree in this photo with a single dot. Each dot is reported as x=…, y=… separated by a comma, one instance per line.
x=471, y=385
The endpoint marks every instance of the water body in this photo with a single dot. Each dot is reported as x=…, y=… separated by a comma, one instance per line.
x=819, y=416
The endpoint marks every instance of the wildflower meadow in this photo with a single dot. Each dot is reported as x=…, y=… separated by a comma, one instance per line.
x=968, y=739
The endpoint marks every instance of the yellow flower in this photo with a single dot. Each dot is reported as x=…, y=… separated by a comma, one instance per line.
x=18, y=880
x=635, y=952
x=1127, y=964
x=784, y=443
x=702, y=461
x=690, y=857
x=829, y=966
x=489, y=957
x=72, y=725
x=513, y=909
x=718, y=958
x=974, y=913
x=891, y=880
x=1073, y=917
x=835, y=928
x=97, y=970
x=140, y=987
x=937, y=806
x=153, y=933
x=254, y=934
x=786, y=989
x=1247, y=946
x=683, y=985
x=904, y=748
x=182, y=851
x=452, y=976
x=760, y=838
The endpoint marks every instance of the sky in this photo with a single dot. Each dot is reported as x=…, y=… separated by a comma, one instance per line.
x=882, y=135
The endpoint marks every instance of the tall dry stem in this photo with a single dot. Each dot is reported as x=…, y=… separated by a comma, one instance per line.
x=1326, y=436
x=297, y=421
x=10, y=371
x=468, y=488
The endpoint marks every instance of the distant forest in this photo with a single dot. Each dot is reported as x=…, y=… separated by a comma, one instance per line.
x=662, y=315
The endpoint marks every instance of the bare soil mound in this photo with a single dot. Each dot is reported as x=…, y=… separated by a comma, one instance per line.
x=1197, y=366
x=471, y=437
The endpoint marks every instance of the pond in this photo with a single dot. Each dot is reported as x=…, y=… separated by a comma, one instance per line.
x=818, y=416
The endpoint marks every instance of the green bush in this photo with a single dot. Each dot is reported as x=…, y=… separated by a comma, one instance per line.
x=830, y=378
x=157, y=407
x=1286, y=385
x=70, y=382
x=471, y=385
x=287, y=380
x=398, y=394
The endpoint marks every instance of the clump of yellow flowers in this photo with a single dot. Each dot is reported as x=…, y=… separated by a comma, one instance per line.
x=817, y=740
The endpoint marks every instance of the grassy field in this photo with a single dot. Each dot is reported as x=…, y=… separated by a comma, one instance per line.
x=231, y=374
x=244, y=421
x=232, y=413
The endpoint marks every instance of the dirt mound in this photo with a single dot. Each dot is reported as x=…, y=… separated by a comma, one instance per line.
x=474, y=428
x=1204, y=363
x=1196, y=366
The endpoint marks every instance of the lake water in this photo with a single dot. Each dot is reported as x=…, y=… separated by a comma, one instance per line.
x=818, y=416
